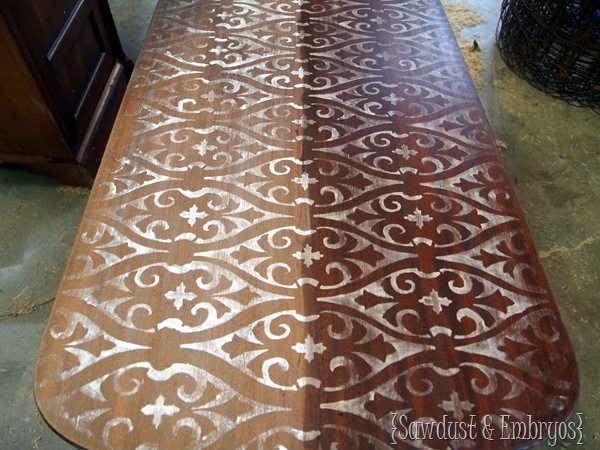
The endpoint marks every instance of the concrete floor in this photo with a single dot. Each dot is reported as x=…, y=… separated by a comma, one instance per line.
x=553, y=156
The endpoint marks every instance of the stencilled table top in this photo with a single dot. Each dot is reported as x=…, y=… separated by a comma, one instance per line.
x=301, y=232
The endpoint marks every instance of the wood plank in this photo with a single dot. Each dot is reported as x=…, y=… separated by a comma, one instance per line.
x=300, y=232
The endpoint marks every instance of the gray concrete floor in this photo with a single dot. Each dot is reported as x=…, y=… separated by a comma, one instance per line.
x=132, y=18
x=553, y=157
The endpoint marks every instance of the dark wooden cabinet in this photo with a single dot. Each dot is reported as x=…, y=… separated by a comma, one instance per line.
x=62, y=77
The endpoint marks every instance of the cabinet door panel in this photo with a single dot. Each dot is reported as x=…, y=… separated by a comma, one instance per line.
x=72, y=50
x=41, y=21
x=82, y=61
x=22, y=107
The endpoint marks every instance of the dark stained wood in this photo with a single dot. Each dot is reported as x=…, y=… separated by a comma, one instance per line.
x=92, y=147
x=70, y=49
x=67, y=173
x=21, y=103
x=301, y=232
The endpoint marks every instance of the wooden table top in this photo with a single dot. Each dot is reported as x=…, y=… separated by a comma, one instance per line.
x=301, y=236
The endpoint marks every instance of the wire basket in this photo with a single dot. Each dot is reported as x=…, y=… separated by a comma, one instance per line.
x=555, y=45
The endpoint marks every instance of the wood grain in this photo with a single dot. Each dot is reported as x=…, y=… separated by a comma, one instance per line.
x=301, y=231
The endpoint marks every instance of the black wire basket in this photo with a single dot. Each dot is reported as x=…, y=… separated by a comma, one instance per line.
x=555, y=45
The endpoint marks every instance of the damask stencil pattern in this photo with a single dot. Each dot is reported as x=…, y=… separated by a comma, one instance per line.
x=301, y=229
